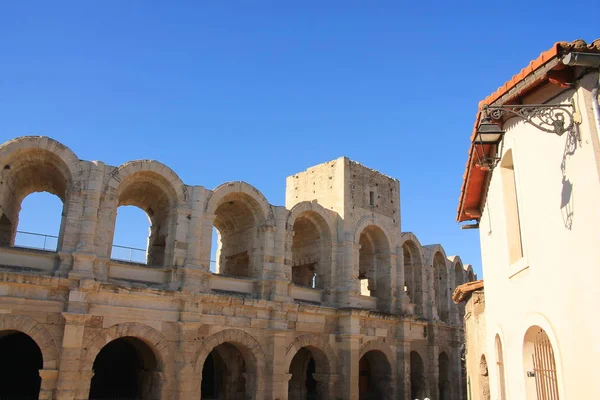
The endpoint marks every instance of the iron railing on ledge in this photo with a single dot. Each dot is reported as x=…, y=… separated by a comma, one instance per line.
x=31, y=240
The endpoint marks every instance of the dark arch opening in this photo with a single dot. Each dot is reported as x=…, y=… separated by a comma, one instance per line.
x=223, y=374
x=19, y=370
x=444, y=377
x=374, y=375
x=303, y=385
x=125, y=368
x=417, y=377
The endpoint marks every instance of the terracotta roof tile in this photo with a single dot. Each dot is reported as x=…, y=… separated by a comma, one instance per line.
x=474, y=180
x=463, y=292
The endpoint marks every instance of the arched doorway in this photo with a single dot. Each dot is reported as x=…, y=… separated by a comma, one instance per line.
x=224, y=374
x=540, y=367
x=19, y=369
x=374, y=375
x=444, y=388
x=125, y=368
x=303, y=385
x=417, y=377
x=374, y=264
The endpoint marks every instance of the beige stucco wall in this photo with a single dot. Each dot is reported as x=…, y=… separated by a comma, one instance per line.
x=554, y=284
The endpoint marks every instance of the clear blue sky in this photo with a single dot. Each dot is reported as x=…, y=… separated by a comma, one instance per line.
x=257, y=91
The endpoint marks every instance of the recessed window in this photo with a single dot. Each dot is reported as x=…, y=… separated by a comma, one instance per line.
x=511, y=208
x=372, y=198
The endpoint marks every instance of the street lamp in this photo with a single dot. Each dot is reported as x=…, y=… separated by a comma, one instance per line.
x=489, y=135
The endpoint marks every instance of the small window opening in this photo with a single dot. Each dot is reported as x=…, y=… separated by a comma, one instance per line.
x=372, y=198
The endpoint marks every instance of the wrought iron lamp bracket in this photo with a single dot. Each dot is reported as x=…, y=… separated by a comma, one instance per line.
x=551, y=118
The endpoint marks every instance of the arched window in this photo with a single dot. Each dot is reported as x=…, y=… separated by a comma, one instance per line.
x=40, y=220
x=29, y=171
x=238, y=216
x=413, y=275
x=500, y=364
x=440, y=286
x=511, y=207
x=310, y=250
x=540, y=367
x=153, y=194
x=374, y=262
x=131, y=237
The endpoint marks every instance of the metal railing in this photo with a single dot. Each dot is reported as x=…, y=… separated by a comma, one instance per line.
x=129, y=254
x=31, y=240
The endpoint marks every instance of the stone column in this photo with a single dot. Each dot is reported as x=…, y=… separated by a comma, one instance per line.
x=49, y=378
x=403, y=356
x=73, y=382
x=277, y=372
x=196, y=270
x=349, y=322
x=326, y=385
x=348, y=286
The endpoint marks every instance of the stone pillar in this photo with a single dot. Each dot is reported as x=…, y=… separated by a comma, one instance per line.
x=349, y=323
x=73, y=379
x=196, y=271
x=432, y=377
x=348, y=286
x=49, y=378
x=403, y=356
x=84, y=255
x=326, y=385
x=178, y=232
x=277, y=371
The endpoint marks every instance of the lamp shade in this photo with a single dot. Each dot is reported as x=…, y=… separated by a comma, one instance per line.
x=488, y=133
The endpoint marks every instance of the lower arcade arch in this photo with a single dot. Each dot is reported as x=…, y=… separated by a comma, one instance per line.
x=309, y=370
x=374, y=376
x=21, y=362
x=417, y=376
x=444, y=383
x=126, y=368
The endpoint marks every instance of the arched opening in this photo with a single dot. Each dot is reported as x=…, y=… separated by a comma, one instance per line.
x=470, y=276
x=125, y=368
x=237, y=219
x=417, y=376
x=459, y=280
x=39, y=222
x=444, y=384
x=224, y=374
x=303, y=385
x=413, y=279
x=484, y=379
x=132, y=233
x=540, y=367
x=309, y=252
x=153, y=194
x=374, y=262
x=20, y=366
x=374, y=375
x=440, y=286
x=33, y=171
x=500, y=364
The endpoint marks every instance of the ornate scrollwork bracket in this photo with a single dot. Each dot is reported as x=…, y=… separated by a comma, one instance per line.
x=551, y=118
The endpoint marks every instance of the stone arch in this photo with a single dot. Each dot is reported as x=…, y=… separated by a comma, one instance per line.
x=154, y=188
x=241, y=215
x=310, y=233
x=261, y=206
x=324, y=354
x=418, y=383
x=33, y=164
x=439, y=263
x=366, y=222
x=377, y=370
x=170, y=181
x=250, y=349
x=150, y=336
x=470, y=275
x=37, y=332
x=413, y=270
x=458, y=270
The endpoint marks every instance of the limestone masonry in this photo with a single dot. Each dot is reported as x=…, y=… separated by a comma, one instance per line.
x=324, y=298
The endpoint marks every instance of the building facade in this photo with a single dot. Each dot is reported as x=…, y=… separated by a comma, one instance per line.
x=323, y=298
x=539, y=221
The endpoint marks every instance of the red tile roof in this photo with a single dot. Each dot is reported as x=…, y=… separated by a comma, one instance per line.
x=474, y=179
x=463, y=292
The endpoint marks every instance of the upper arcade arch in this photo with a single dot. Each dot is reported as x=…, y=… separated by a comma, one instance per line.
x=239, y=210
x=33, y=164
x=154, y=188
x=413, y=270
x=440, y=285
x=309, y=236
x=374, y=263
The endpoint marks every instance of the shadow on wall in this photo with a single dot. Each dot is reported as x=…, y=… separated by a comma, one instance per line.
x=566, y=200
